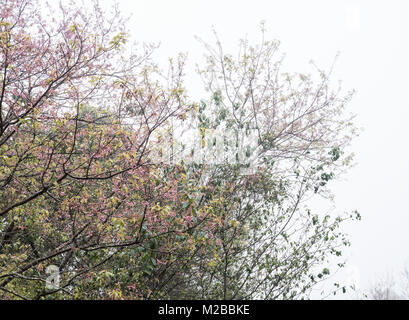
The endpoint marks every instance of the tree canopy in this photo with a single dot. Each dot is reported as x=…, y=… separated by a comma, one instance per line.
x=112, y=173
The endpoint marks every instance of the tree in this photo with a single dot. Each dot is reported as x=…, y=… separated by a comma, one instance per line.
x=75, y=122
x=109, y=172
x=283, y=139
x=387, y=289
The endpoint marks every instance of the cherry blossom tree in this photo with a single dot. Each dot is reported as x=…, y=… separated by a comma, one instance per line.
x=76, y=116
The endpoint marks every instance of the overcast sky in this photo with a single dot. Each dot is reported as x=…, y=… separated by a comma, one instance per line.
x=372, y=38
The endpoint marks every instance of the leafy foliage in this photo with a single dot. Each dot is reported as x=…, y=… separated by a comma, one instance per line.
x=109, y=172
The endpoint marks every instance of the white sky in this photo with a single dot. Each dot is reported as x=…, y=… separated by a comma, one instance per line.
x=372, y=37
